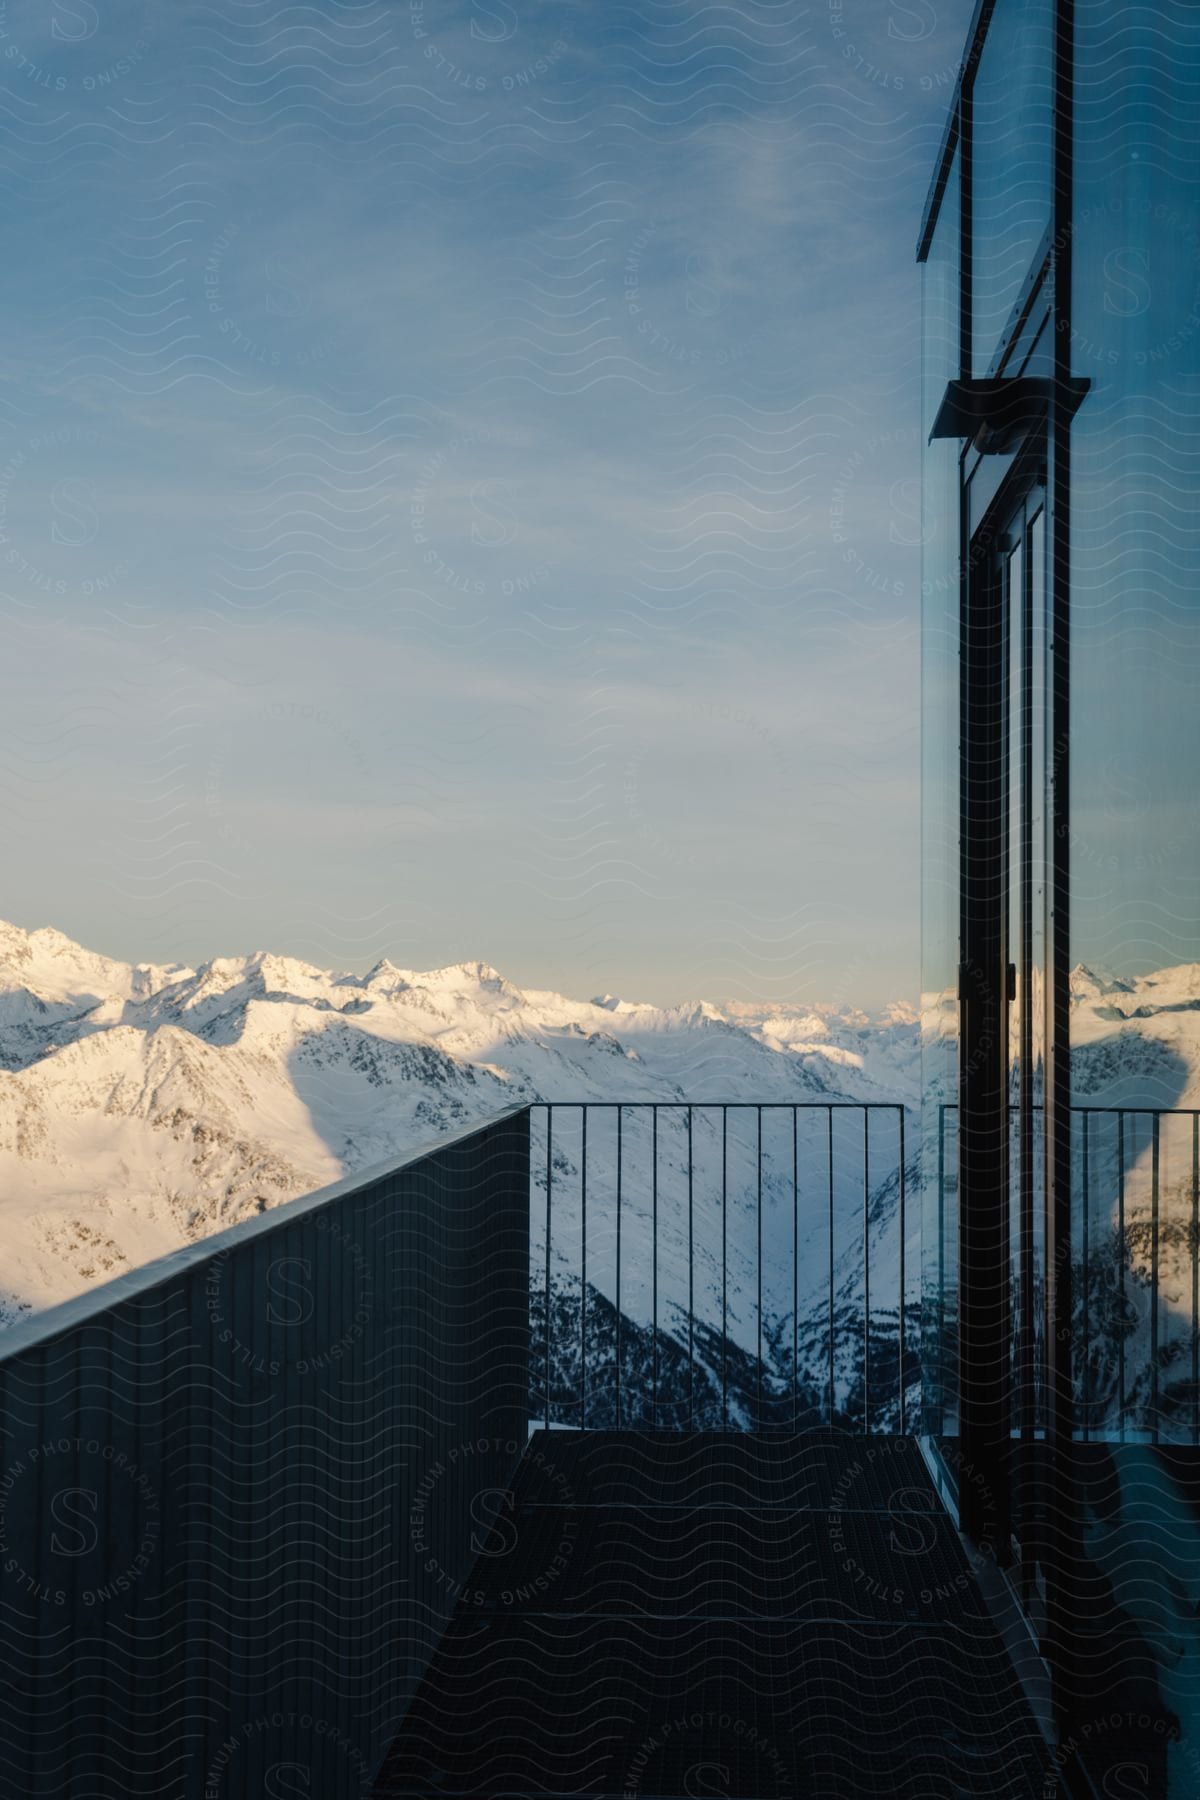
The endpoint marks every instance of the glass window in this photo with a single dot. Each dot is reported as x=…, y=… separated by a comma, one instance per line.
x=1133, y=843
x=1011, y=182
x=1135, y=629
x=939, y=827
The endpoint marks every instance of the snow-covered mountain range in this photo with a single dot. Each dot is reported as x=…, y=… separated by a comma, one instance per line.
x=143, y=1107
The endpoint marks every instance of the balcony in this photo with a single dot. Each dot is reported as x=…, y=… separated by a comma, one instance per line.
x=576, y=1456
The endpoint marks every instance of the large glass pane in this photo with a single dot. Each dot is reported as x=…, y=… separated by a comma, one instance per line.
x=939, y=831
x=1011, y=170
x=1135, y=859
x=1039, y=723
x=1135, y=677
x=1016, y=771
x=1023, y=584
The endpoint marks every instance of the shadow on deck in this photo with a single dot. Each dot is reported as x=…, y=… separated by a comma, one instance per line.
x=673, y=1614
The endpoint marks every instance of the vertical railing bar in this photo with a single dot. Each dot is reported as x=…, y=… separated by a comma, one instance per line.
x=654, y=1235
x=1025, y=1345
x=549, y=1203
x=1121, y=1267
x=866, y=1269
x=941, y=1264
x=583, y=1273
x=1085, y=1384
x=903, y=1234
x=795, y=1268
x=832, y=1376
x=1155, y=1137
x=758, y=1116
x=691, y=1287
x=725, y=1267
x=1196, y=1278
x=620, y=1111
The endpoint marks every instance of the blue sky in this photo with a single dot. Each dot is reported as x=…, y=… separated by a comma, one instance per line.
x=459, y=492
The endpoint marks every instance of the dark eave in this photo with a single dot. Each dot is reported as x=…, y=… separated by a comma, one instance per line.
x=997, y=412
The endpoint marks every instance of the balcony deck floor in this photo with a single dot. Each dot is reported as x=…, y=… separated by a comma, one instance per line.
x=662, y=1615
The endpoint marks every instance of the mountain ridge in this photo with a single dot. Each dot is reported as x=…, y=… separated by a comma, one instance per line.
x=144, y=1105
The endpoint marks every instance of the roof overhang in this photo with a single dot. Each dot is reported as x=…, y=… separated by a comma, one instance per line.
x=997, y=412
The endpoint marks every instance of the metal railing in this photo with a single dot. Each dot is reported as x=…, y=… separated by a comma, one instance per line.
x=241, y=1489
x=727, y=1265
x=1137, y=1242
x=1135, y=1255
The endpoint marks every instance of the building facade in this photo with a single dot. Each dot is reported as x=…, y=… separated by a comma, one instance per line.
x=1061, y=901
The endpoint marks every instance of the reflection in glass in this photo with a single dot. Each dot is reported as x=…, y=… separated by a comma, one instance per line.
x=940, y=830
x=1011, y=175
x=1134, y=847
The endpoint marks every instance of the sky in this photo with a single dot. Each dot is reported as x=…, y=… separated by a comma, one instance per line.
x=459, y=492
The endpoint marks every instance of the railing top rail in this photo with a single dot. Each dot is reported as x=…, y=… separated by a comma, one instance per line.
x=1162, y=1112
x=1182, y=1112
x=732, y=1105
x=85, y=1308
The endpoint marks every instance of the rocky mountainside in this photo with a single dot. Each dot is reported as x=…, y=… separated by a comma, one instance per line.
x=143, y=1107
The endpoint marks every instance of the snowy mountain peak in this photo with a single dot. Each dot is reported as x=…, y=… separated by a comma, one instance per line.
x=899, y=1012
x=51, y=966
x=471, y=975
x=141, y=1106
x=384, y=974
x=1086, y=982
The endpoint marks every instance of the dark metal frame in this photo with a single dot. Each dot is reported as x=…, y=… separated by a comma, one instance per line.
x=1020, y=634
x=984, y=1297
x=1062, y=1521
x=955, y=123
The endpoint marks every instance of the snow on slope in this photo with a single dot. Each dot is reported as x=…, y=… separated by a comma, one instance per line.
x=143, y=1107
x=1136, y=1042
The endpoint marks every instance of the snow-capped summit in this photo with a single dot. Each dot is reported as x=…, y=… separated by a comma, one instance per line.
x=385, y=975
x=1087, y=983
x=47, y=963
x=143, y=1106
